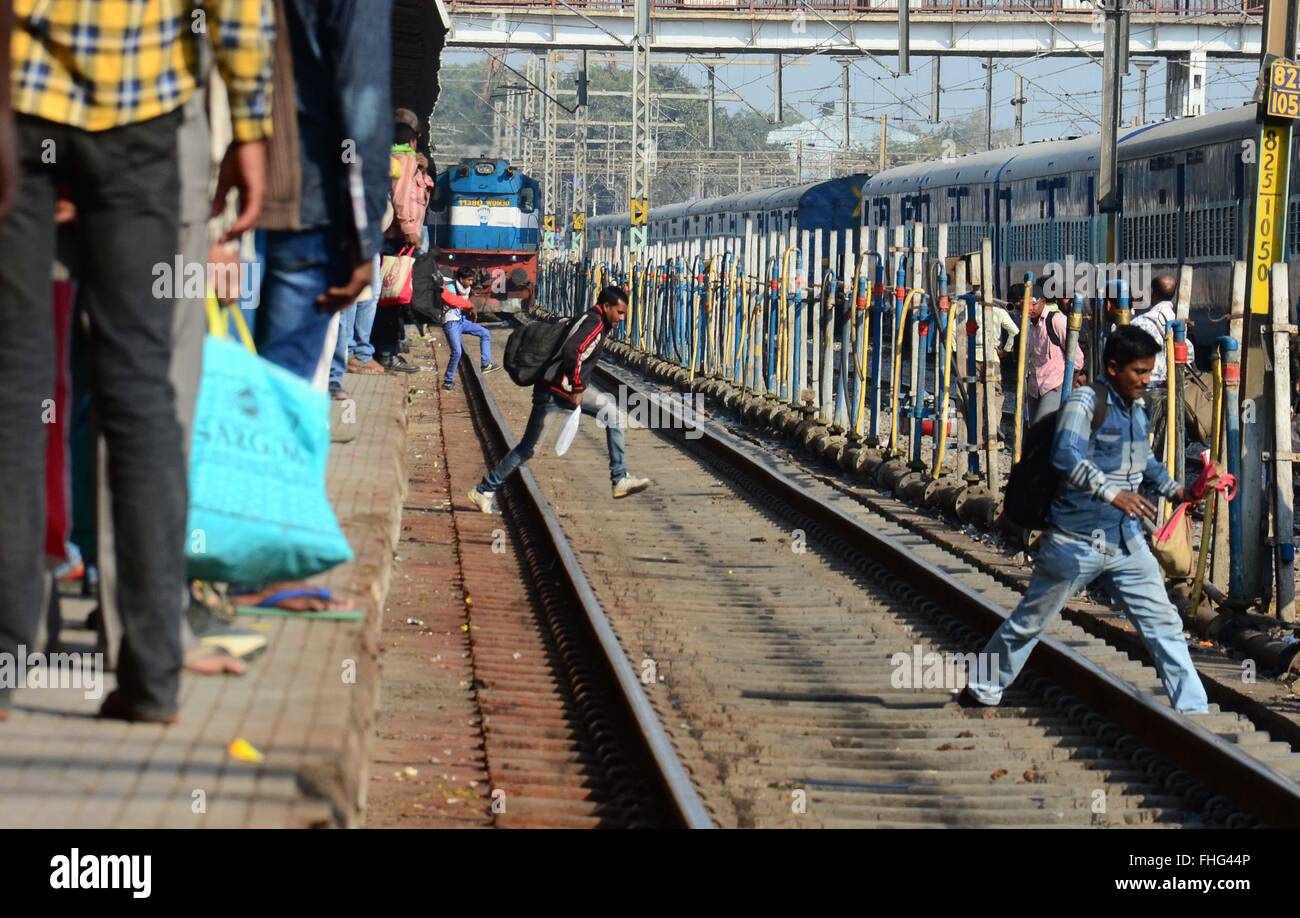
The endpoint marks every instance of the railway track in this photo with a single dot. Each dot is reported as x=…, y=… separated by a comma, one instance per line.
x=569, y=737
x=777, y=668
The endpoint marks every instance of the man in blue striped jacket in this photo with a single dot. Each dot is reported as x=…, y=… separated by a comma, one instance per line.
x=1095, y=531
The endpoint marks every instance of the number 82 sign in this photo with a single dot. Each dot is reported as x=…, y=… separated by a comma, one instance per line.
x=1284, y=90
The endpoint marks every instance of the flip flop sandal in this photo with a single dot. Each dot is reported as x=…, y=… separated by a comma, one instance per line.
x=322, y=593
x=214, y=599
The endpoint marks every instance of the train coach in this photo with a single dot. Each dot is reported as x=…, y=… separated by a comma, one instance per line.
x=485, y=215
x=833, y=205
x=1185, y=195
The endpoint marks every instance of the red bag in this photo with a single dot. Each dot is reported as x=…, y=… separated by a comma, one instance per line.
x=396, y=271
x=57, y=499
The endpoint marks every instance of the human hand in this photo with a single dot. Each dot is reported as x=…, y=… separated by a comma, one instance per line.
x=1134, y=505
x=243, y=169
x=336, y=299
x=221, y=258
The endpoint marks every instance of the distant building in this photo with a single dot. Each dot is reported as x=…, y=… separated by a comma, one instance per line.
x=820, y=143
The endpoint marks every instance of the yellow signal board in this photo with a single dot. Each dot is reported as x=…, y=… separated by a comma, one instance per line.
x=1270, y=212
x=640, y=209
x=1284, y=90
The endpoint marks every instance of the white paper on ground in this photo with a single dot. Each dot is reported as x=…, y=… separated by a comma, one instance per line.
x=568, y=432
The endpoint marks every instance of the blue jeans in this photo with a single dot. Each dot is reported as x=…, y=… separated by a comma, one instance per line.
x=339, y=362
x=547, y=404
x=1065, y=566
x=454, y=331
x=289, y=329
x=354, y=331
x=364, y=319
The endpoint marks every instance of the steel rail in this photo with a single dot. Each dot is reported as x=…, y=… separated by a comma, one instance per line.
x=684, y=803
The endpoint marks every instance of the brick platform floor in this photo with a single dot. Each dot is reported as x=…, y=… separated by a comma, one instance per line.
x=61, y=766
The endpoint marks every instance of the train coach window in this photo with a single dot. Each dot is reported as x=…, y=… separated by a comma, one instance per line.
x=528, y=199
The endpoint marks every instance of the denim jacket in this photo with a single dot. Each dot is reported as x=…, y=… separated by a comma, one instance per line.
x=1098, y=466
x=342, y=51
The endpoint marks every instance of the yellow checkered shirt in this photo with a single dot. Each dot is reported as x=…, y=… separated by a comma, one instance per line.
x=99, y=64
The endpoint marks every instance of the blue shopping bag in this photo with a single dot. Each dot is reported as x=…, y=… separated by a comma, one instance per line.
x=258, y=510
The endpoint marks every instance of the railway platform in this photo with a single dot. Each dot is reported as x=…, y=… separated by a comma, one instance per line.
x=305, y=705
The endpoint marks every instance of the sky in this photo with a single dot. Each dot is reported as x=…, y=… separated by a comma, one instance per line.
x=1063, y=93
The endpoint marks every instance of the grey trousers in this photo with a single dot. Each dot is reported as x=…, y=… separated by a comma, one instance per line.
x=188, y=330
x=1038, y=408
x=126, y=186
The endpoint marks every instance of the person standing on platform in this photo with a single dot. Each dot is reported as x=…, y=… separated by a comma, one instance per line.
x=101, y=85
x=409, y=195
x=323, y=213
x=1154, y=321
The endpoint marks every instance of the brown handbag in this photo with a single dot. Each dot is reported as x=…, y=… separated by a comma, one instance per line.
x=1172, y=544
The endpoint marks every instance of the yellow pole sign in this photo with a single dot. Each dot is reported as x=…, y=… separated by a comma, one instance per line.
x=579, y=220
x=640, y=211
x=548, y=223
x=1270, y=212
x=1284, y=90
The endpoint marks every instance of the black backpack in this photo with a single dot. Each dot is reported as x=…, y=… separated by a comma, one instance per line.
x=534, y=347
x=1033, y=483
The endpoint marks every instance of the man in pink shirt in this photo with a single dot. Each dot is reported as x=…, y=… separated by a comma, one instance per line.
x=1045, y=357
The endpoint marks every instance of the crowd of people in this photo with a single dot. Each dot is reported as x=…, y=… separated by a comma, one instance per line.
x=107, y=116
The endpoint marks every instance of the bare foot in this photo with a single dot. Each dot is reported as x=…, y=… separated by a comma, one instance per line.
x=310, y=598
x=213, y=661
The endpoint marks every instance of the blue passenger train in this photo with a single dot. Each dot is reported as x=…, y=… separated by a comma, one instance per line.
x=831, y=206
x=1185, y=197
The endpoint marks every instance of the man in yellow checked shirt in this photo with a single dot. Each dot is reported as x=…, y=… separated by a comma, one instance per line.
x=96, y=90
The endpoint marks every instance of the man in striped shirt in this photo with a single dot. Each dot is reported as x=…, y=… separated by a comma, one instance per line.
x=1094, y=530
x=96, y=95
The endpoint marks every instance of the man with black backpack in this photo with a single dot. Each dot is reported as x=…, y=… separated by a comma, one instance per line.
x=559, y=386
x=1045, y=354
x=1101, y=458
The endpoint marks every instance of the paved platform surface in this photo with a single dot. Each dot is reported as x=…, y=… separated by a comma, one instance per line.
x=61, y=766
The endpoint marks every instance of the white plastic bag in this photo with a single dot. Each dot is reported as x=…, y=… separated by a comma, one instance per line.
x=568, y=432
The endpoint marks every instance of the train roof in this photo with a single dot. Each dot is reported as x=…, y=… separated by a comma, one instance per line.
x=762, y=199
x=898, y=179
x=1054, y=157
x=1181, y=133
x=975, y=167
x=1050, y=157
